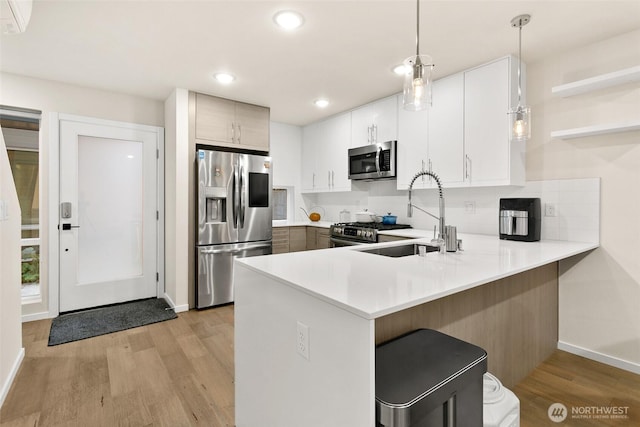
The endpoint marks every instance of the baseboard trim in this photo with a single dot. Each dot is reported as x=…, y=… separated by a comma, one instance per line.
x=600, y=357
x=36, y=316
x=176, y=308
x=12, y=375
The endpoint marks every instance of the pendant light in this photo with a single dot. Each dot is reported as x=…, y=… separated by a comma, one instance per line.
x=417, y=80
x=521, y=115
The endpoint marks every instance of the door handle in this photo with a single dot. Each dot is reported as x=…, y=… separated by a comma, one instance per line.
x=378, y=160
x=69, y=226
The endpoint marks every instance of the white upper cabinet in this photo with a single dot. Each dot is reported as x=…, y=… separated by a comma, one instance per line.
x=490, y=157
x=467, y=131
x=433, y=140
x=324, y=155
x=375, y=122
x=446, y=131
x=413, y=146
x=311, y=138
x=463, y=137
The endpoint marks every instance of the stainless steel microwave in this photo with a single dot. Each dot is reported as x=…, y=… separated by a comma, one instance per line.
x=374, y=161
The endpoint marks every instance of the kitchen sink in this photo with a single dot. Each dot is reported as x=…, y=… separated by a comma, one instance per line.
x=400, y=251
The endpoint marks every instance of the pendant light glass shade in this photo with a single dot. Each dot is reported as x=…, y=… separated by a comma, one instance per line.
x=417, y=80
x=520, y=123
x=417, y=83
x=520, y=116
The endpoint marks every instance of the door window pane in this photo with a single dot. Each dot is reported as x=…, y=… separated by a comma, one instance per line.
x=110, y=205
x=31, y=266
x=24, y=167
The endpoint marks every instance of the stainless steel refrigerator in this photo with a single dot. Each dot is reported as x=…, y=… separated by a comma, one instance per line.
x=233, y=217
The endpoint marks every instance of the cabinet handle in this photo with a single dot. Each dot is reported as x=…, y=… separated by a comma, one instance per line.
x=368, y=134
x=313, y=180
x=329, y=178
x=430, y=170
x=374, y=136
x=467, y=163
x=422, y=171
x=333, y=178
x=239, y=133
x=233, y=133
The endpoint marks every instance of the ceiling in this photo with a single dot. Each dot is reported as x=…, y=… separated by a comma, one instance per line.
x=344, y=51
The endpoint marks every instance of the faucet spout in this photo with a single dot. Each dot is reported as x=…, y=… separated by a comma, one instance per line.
x=410, y=206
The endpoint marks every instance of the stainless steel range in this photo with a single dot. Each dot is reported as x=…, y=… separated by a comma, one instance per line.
x=359, y=233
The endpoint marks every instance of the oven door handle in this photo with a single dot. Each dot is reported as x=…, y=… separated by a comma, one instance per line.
x=342, y=242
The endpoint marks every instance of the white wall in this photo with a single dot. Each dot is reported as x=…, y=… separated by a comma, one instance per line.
x=285, y=149
x=600, y=293
x=11, y=351
x=49, y=96
x=176, y=199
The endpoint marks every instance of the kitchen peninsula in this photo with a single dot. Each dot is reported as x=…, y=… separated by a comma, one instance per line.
x=500, y=295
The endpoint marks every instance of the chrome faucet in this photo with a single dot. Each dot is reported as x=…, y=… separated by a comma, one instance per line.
x=442, y=229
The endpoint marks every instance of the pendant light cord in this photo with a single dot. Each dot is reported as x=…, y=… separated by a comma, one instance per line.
x=520, y=64
x=417, y=27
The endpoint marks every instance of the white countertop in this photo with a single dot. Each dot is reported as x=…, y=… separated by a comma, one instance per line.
x=373, y=286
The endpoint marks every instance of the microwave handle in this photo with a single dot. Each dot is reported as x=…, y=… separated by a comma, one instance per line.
x=378, y=160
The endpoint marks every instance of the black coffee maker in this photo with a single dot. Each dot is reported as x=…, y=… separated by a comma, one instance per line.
x=520, y=219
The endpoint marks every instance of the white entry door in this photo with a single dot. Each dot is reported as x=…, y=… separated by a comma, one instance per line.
x=108, y=213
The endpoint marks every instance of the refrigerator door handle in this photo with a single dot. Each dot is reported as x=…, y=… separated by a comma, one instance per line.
x=236, y=196
x=243, y=200
x=235, y=251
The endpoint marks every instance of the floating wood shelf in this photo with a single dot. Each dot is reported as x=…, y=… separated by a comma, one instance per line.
x=627, y=75
x=596, y=130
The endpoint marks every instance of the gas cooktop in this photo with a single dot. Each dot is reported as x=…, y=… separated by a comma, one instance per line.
x=363, y=232
x=374, y=225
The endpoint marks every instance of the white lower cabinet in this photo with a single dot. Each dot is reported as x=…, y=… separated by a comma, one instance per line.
x=325, y=147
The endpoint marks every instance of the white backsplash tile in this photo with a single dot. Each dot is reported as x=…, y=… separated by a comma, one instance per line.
x=576, y=203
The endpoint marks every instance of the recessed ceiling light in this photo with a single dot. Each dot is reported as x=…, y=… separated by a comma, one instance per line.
x=400, y=70
x=224, y=78
x=321, y=103
x=288, y=19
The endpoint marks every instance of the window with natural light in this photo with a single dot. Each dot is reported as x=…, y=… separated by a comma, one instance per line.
x=20, y=130
x=280, y=206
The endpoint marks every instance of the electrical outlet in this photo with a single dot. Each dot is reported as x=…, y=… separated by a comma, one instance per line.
x=470, y=207
x=302, y=340
x=549, y=209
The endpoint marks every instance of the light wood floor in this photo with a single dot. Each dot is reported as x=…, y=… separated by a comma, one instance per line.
x=180, y=373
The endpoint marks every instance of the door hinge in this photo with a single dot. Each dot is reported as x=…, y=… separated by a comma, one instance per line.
x=157, y=277
x=157, y=215
x=157, y=153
